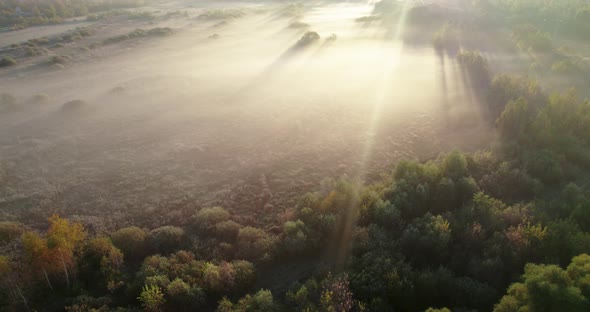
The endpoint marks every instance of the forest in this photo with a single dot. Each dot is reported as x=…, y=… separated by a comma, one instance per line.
x=504, y=228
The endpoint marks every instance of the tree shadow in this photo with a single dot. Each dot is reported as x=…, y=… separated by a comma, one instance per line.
x=272, y=70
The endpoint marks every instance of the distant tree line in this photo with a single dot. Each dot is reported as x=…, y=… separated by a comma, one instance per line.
x=19, y=14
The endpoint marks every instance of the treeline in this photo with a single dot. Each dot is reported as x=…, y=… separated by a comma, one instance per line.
x=19, y=14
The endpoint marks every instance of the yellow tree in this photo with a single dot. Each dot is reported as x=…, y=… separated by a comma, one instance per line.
x=55, y=252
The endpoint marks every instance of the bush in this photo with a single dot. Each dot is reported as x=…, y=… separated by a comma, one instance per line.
x=160, y=31
x=115, y=39
x=40, y=98
x=73, y=105
x=58, y=59
x=368, y=19
x=7, y=61
x=307, y=39
x=216, y=14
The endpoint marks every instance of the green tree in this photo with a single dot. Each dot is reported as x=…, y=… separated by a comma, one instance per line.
x=151, y=298
x=132, y=241
x=547, y=288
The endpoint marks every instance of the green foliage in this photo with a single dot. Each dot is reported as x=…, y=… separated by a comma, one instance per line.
x=10, y=230
x=529, y=38
x=151, y=298
x=254, y=244
x=206, y=219
x=100, y=265
x=132, y=241
x=549, y=288
x=262, y=301
x=507, y=88
x=166, y=239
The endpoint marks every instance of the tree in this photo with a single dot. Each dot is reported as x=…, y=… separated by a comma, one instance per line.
x=101, y=263
x=514, y=120
x=10, y=230
x=166, y=239
x=262, y=301
x=207, y=218
x=56, y=252
x=131, y=241
x=151, y=298
x=254, y=244
x=294, y=236
x=548, y=288
x=183, y=297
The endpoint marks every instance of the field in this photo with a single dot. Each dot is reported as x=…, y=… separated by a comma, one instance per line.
x=188, y=121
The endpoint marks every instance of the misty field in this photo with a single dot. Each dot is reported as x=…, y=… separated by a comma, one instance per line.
x=200, y=122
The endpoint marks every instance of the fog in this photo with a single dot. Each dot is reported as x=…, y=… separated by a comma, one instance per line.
x=192, y=119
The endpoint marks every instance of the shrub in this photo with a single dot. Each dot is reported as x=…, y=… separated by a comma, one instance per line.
x=7, y=61
x=160, y=31
x=308, y=38
x=39, y=99
x=73, y=105
x=368, y=19
x=115, y=39
x=58, y=59
x=221, y=14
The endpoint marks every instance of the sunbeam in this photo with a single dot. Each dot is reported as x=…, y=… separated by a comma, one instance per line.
x=391, y=57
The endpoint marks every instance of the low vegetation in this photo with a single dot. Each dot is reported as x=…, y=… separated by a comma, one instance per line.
x=307, y=39
x=41, y=13
x=220, y=14
x=139, y=33
x=7, y=61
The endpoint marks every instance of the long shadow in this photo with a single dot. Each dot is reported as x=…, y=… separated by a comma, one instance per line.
x=272, y=69
x=442, y=74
